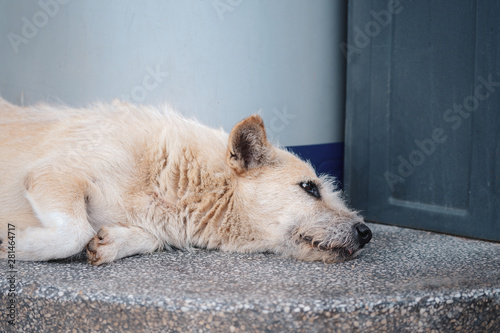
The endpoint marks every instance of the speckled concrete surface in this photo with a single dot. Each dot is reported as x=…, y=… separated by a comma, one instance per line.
x=405, y=281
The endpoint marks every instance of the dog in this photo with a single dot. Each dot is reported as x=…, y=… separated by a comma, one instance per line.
x=120, y=179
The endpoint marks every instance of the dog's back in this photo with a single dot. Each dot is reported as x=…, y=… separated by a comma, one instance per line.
x=102, y=142
x=22, y=132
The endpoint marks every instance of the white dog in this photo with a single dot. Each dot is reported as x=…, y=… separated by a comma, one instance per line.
x=123, y=179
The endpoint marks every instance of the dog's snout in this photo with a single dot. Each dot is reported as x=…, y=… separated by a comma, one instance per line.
x=364, y=234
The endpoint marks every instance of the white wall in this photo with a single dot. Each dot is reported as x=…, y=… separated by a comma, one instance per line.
x=220, y=60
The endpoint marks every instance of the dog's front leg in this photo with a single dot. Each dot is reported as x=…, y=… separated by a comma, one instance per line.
x=119, y=241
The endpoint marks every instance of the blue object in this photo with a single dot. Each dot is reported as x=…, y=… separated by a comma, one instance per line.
x=326, y=158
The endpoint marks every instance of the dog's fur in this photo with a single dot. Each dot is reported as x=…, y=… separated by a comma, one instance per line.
x=123, y=179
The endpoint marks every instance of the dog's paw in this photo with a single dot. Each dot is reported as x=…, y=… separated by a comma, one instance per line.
x=100, y=249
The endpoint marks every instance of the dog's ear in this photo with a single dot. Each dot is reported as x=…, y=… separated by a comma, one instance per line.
x=248, y=146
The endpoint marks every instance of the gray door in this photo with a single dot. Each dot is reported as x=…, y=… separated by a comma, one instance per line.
x=423, y=114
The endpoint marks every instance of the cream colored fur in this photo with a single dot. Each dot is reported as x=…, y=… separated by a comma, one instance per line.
x=124, y=179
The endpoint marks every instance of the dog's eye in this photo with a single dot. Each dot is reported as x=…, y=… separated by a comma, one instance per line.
x=311, y=188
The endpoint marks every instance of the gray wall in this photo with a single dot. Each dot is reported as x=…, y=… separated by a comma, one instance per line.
x=423, y=123
x=219, y=60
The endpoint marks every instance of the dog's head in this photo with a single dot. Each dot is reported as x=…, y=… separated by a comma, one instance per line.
x=297, y=213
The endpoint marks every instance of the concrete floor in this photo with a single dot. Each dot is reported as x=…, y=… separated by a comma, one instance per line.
x=405, y=281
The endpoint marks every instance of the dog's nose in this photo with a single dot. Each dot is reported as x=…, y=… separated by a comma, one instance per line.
x=364, y=234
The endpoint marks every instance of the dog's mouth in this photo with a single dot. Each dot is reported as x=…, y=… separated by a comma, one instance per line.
x=343, y=251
